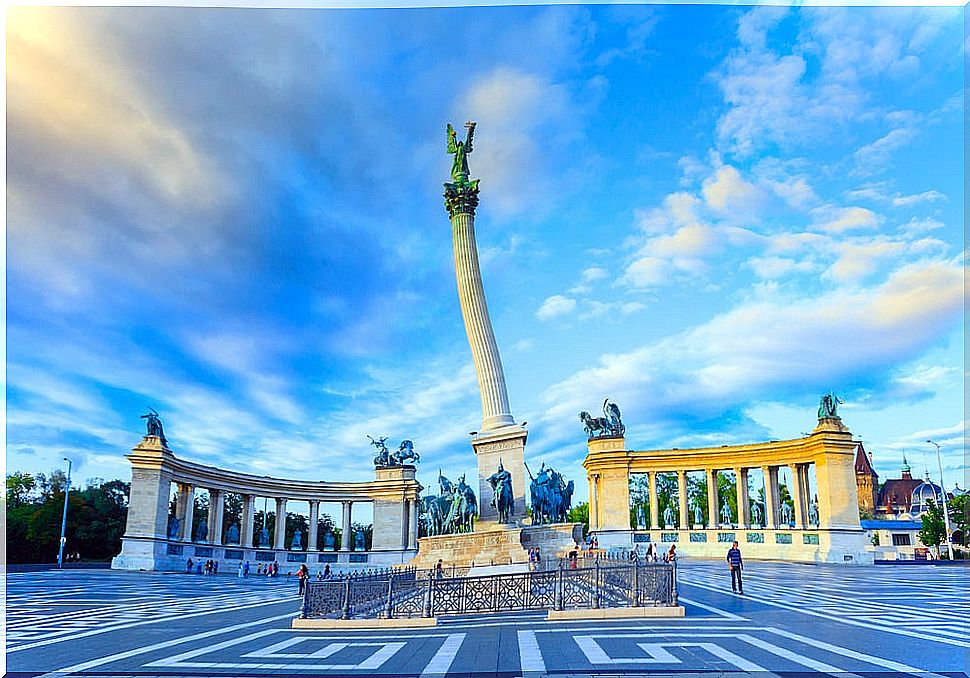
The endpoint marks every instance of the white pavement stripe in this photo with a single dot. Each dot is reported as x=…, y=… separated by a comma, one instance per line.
x=530, y=656
x=119, y=627
x=376, y=660
x=168, y=643
x=441, y=662
x=845, y=652
x=843, y=619
x=794, y=657
x=711, y=608
x=168, y=661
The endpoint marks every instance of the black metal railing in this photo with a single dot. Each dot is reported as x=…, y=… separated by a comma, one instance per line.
x=429, y=593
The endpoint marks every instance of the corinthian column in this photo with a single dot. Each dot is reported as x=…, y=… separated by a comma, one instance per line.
x=461, y=199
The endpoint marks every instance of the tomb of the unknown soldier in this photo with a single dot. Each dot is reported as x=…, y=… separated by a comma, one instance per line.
x=612, y=444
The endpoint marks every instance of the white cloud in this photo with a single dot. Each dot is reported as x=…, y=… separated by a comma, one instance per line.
x=841, y=219
x=594, y=273
x=646, y=272
x=874, y=158
x=770, y=268
x=728, y=194
x=555, y=307
x=925, y=196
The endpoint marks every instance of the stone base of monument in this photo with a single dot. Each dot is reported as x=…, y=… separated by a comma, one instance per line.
x=404, y=622
x=500, y=545
x=618, y=612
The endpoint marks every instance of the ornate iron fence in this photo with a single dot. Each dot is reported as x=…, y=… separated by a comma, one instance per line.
x=429, y=593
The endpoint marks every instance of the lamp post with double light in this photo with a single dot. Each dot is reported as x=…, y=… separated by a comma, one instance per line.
x=946, y=511
x=67, y=491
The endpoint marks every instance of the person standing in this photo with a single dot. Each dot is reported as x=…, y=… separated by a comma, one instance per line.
x=303, y=574
x=246, y=570
x=439, y=570
x=736, y=564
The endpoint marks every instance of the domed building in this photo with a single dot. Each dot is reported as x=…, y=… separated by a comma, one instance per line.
x=924, y=493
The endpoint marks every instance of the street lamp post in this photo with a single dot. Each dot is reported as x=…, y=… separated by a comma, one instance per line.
x=946, y=512
x=67, y=491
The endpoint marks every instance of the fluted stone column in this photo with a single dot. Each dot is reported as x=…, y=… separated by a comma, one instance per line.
x=217, y=509
x=346, y=539
x=594, y=508
x=682, y=499
x=279, y=539
x=797, y=496
x=314, y=526
x=188, y=512
x=741, y=478
x=652, y=491
x=248, y=516
x=713, y=510
x=771, y=496
x=478, y=326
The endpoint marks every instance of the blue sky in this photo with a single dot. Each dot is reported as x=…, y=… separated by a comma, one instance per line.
x=710, y=214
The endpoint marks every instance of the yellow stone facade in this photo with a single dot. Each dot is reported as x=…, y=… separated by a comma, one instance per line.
x=838, y=537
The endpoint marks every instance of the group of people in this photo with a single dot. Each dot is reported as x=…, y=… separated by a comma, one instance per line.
x=535, y=559
x=653, y=554
x=208, y=567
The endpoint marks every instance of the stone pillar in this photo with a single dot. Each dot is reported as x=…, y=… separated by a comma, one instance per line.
x=346, y=539
x=713, y=507
x=508, y=448
x=413, y=533
x=474, y=311
x=771, y=496
x=217, y=509
x=280, y=536
x=314, y=525
x=148, y=503
x=796, y=495
x=652, y=490
x=744, y=517
x=248, y=516
x=189, y=512
x=682, y=499
x=594, y=504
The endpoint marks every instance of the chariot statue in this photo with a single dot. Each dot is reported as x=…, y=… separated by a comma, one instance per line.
x=610, y=424
x=383, y=456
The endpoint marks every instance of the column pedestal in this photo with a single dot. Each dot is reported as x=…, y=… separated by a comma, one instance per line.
x=508, y=446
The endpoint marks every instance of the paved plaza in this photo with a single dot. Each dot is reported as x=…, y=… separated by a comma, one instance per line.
x=792, y=619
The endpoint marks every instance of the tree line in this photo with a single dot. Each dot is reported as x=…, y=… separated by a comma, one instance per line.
x=96, y=517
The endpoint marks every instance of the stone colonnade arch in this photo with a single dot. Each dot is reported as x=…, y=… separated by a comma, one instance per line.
x=148, y=544
x=838, y=536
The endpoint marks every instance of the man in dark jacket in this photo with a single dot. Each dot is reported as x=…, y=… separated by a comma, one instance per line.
x=734, y=560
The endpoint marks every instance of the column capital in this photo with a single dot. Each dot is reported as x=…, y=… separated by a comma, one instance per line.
x=461, y=198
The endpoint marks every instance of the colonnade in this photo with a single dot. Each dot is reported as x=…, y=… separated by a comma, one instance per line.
x=742, y=519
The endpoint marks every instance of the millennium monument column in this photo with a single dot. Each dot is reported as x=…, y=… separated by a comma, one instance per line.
x=499, y=439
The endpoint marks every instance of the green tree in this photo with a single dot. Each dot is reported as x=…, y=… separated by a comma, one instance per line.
x=579, y=514
x=19, y=488
x=960, y=515
x=933, y=531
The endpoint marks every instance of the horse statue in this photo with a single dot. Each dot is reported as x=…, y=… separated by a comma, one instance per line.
x=594, y=424
x=463, y=509
x=383, y=456
x=405, y=453
x=502, y=498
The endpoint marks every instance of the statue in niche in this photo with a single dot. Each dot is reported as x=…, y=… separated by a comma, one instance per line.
x=154, y=424
x=668, y=517
x=756, y=514
x=726, y=517
x=502, y=498
x=786, y=514
x=329, y=541
x=828, y=407
x=813, y=512
x=174, y=527
x=359, y=541
x=698, y=515
x=202, y=532
x=296, y=544
x=264, y=538
x=232, y=534
x=641, y=518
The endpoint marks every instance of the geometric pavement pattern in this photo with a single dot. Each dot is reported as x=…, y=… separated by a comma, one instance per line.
x=793, y=619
